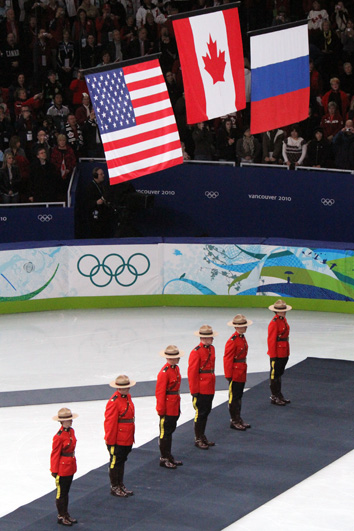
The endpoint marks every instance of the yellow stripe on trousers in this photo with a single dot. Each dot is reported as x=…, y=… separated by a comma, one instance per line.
x=162, y=427
x=114, y=458
x=273, y=370
x=57, y=484
x=196, y=409
x=230, y=392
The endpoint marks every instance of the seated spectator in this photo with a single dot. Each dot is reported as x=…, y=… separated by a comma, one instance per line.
x=225, y=142
x=74, y=135
x=331, y=122
x=343, y=146
x=272, y=145
x=248, y=148
x=318, y=151
x=336, y=95
x=347, y=80
x=347, y=39
x=203, y=141
x=6, y=130
x=51, y=87
x=43, y=179
x=294, y=148
x=58, y=112
x=64, y=161
x=83, y=112
x=9, y=180
x=41, y=142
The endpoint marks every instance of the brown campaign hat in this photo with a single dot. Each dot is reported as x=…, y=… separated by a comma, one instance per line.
x=206, y=331
x=239, y=321
x=280, y=306
x=122, y=382
x=171, y=352
x=65, y=414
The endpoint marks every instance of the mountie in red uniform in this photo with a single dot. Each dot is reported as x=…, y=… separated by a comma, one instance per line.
x=168, y=404
x=201, y=379
x=235, y=370
x=278, y=351
x=119, y=429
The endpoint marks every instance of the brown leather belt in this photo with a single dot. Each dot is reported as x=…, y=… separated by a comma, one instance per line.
x=172, y=392
x=126, y=421
x=282, y=339
x=68, y=454
x=206, y=371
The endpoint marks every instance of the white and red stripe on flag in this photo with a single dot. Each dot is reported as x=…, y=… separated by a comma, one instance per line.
x=136, y=120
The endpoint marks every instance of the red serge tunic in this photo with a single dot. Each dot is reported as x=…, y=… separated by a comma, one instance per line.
x=167, y=390
x=278, y=337
x=119, y=420
x=201, y=370
x=64, y=442
x=235, y=355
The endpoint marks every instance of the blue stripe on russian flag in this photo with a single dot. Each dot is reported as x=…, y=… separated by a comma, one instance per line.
x=280, y=78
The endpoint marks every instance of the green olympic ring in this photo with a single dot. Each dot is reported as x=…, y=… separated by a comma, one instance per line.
x=109, y=272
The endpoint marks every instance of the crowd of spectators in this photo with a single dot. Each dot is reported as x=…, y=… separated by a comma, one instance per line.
x=46, y=117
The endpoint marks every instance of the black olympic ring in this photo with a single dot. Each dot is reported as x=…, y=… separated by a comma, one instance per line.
x=108, y=271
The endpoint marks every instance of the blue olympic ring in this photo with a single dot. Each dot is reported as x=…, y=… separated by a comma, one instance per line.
x=109, y=272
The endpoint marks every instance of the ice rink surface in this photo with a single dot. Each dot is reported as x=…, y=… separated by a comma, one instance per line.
x=51, y=350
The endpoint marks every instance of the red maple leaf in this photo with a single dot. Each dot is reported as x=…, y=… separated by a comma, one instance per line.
x=214, y=64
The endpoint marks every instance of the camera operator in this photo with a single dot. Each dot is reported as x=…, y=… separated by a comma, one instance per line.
x=98, y=206
x=127, y=202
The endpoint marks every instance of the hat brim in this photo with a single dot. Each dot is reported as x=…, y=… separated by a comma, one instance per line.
x=128, y=386
x=171, y=356
x=287, y=309
x=196, y=333
x=248, y=323
x=73, y=416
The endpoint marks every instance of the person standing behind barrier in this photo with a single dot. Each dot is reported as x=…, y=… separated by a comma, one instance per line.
x=63, y=463
x=10, y=180
x=278, y=350
x=235, y=369
x=97, y=201
x=168, y=403
x=201, y=379
x=119, y=428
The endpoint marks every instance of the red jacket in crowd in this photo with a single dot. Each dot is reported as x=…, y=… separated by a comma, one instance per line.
x=167, y=390
x=119, y=419
x=64, y=442
x=201, y=373
x=278, y=337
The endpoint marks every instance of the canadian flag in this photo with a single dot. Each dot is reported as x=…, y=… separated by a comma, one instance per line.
x=211, y=55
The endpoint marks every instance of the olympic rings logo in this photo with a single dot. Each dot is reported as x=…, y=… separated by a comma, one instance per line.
x=212, y=195
x=45, y=217
x=327, y=202
x=110, y=268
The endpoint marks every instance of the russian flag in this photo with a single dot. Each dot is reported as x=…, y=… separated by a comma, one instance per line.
x=280, y=85
x=210, y=50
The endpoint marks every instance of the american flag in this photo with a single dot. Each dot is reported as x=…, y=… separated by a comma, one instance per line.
x=135, y=119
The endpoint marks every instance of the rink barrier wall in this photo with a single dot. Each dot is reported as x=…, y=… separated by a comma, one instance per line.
x=233, y=273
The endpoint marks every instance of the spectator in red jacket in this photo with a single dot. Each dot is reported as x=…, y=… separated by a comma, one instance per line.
x=336, y=95
x=331, y=122
x=119, y=431
x=64, y=160
x=63, y=463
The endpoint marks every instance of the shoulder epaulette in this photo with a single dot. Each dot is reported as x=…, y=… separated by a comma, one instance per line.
x=60, y=432
x=114, y=398
x=165, y=369
x=233, y=337
x=197, y=348
x=274, y=319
